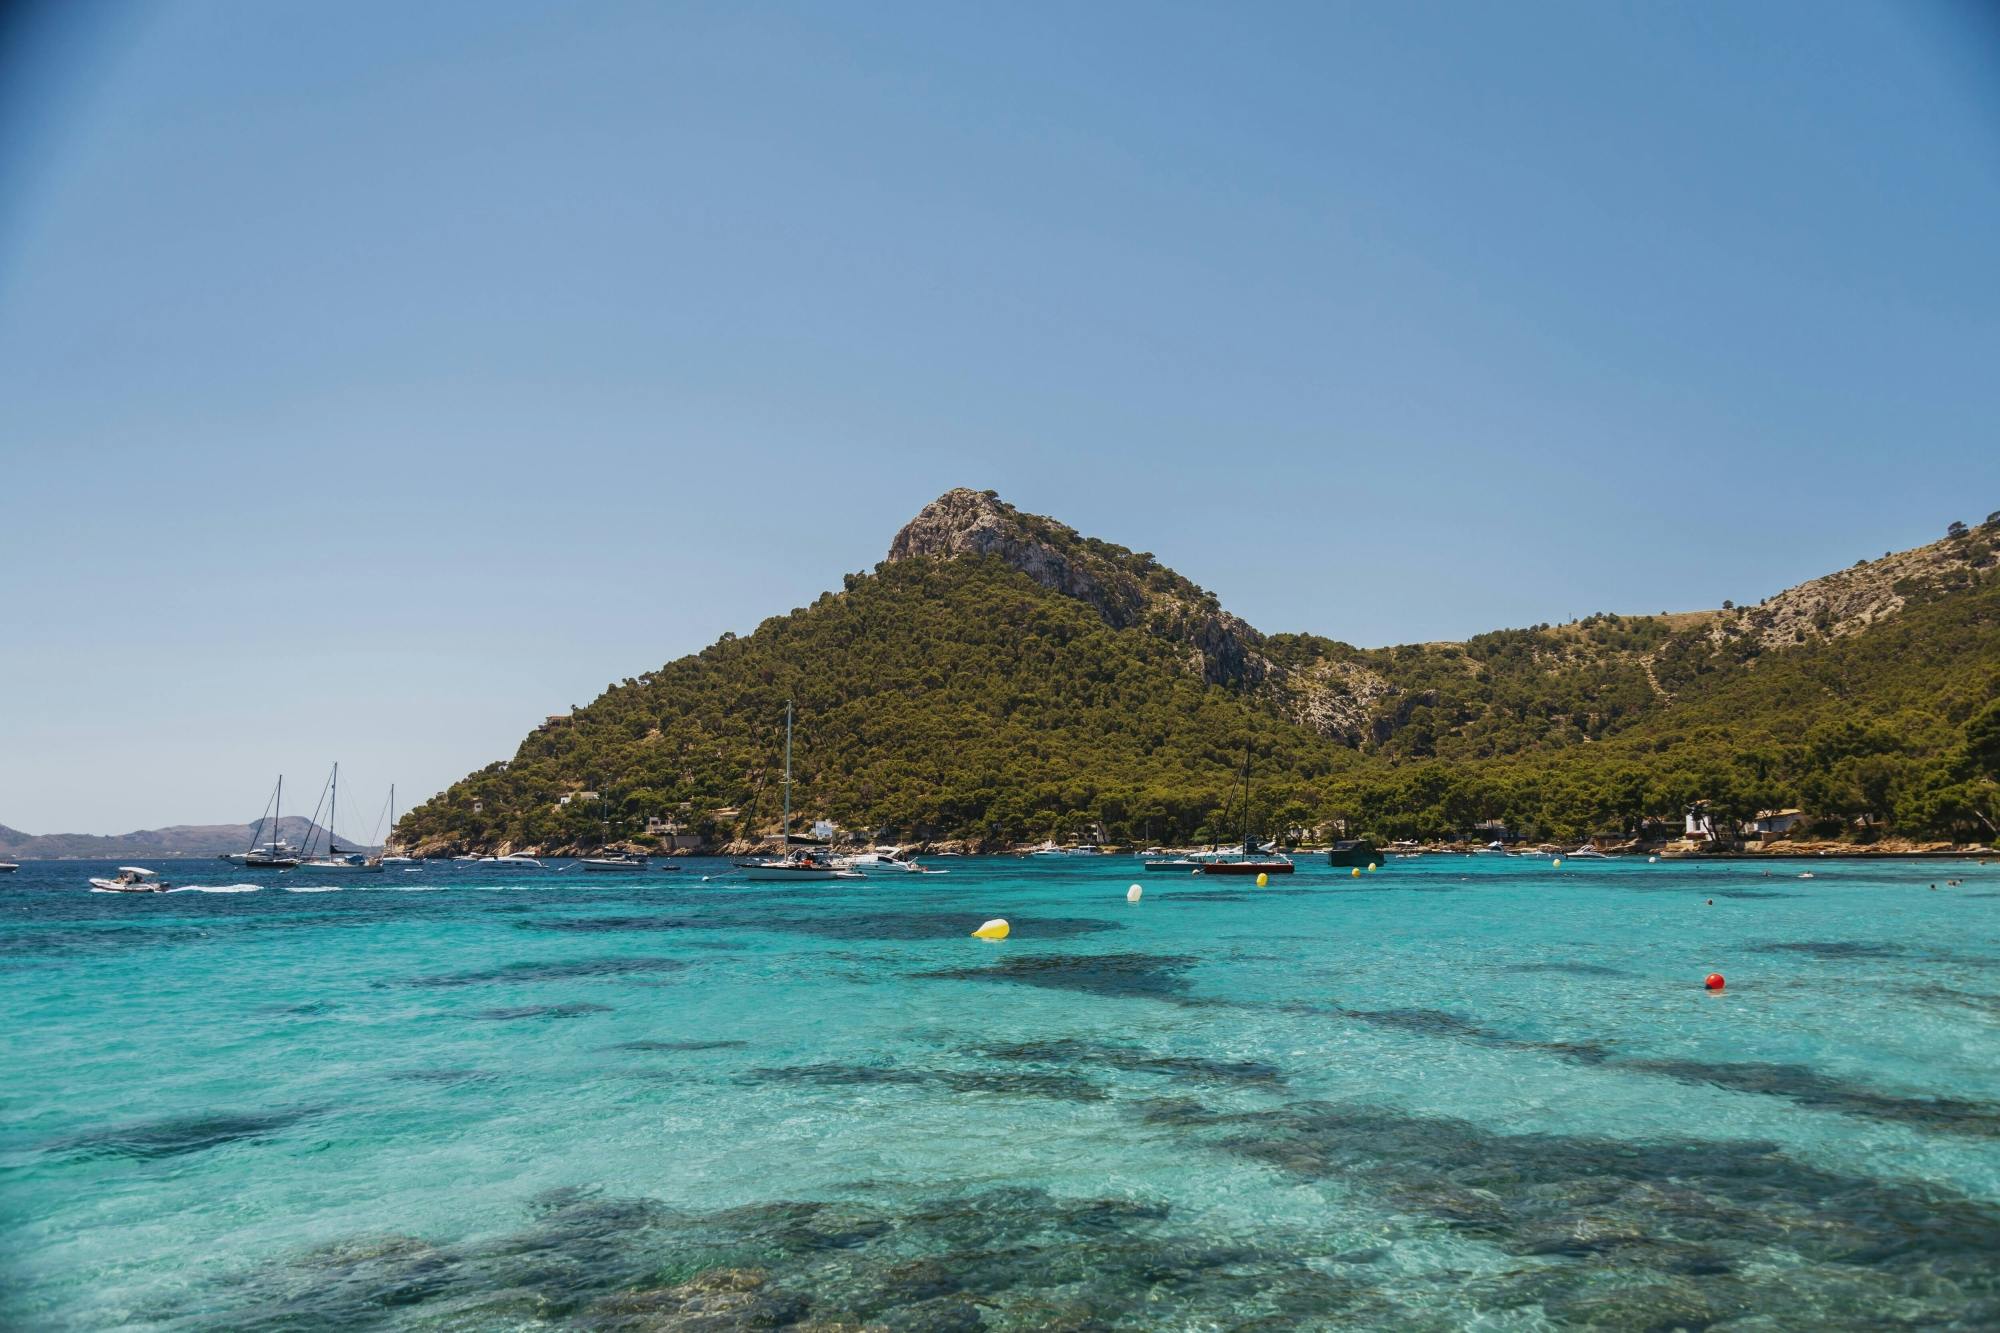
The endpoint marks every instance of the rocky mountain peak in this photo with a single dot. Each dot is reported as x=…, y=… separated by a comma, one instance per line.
x=1129, y=589
x=960, y=522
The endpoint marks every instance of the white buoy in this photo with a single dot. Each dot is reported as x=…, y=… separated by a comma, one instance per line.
x=1652, y=860
x=1132, y=894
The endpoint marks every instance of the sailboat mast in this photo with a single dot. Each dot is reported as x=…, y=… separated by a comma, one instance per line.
x=332, y=808
x=1246, y=795
x=277, y=812
x=786, y=840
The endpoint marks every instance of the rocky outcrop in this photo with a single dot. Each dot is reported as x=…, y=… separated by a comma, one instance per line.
x=1129, y=590
x=1336, y=699
x=1864, y=594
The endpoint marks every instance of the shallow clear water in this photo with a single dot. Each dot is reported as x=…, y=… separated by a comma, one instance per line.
x=1459, y=1092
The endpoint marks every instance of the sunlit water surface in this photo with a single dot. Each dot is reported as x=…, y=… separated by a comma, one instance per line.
x=1457, y=1092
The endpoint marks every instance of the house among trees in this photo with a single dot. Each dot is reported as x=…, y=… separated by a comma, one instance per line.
x=1699, y=826
x=1771, y=824
x=1493, y=830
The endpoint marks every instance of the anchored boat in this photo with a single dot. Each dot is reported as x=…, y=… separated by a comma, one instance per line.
x=805, y=863
x=1253, y=859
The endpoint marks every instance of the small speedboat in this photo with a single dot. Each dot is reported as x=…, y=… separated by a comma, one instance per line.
x=402, y=861
x=132, y=879
x=8, y=867
x=1585, y=853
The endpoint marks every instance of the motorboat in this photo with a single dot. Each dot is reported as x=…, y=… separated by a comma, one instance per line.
x=402, y=860
x=511, y=861
x=1585, y=853
x=613, y=863
x=8, y=867
x=875, y=856
x=132, y=879
x=1353, y=852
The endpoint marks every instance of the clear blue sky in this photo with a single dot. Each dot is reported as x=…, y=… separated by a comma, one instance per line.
x=377, y=378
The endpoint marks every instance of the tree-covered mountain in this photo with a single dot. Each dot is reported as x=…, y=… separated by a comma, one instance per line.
x=1001, y=677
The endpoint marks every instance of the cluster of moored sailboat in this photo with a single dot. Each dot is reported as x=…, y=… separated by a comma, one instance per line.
x=275, y=853
x=800, y=860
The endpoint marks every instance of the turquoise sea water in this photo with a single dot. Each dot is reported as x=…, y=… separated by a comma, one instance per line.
x=1459, y=1092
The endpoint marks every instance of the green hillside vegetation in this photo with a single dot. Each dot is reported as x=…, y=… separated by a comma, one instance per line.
x=953, y=696
x=1061, y=685
x=1897, y=723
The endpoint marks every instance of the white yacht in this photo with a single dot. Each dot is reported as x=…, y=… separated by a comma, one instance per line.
x=132, y=879
x=613, y=863
x=1585, y=853
x=511, y=861
x=8, y=867
x=880, y=855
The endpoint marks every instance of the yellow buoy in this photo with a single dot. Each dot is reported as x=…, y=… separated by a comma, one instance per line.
x=996, y=929
x=1262, y=879
x=1356, y=872
x=1132, y=894
x=1559, y=861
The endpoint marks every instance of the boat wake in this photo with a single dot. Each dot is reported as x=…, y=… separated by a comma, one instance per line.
x=314, y=888
x=210, y=888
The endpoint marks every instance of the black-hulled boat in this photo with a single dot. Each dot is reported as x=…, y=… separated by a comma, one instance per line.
x=1353, y=852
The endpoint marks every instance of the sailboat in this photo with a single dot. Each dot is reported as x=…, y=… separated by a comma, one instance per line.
x=1252, y=860
x=396, y=860
x=806, y=863
x=336, y=861
x=275, y=853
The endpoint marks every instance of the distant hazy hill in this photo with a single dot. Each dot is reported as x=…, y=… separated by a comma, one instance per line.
x=159, y=844
x=1001, y=676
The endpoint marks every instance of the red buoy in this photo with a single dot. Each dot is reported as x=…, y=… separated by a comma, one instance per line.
x=1713, y=981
